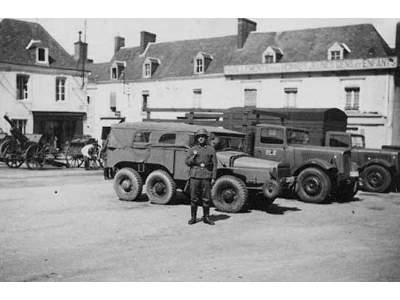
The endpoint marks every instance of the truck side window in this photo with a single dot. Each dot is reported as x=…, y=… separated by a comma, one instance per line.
x=338, y=141
x=141, y=137
x=168, y=138
x=271, y=136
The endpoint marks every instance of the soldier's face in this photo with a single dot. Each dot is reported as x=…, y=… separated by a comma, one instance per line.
x=201, y=139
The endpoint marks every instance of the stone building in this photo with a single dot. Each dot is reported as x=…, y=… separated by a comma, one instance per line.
x=42, y=87
x=348, y=67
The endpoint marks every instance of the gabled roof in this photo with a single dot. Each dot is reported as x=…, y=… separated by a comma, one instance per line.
x=297, y=45
x=15, y=36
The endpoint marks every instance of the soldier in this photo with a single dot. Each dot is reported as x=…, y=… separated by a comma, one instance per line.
x=202, y=161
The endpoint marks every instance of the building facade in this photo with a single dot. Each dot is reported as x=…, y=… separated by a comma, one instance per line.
x=42, y=87
x=348, y=67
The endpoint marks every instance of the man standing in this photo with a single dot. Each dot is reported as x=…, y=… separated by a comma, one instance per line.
x=202, y=161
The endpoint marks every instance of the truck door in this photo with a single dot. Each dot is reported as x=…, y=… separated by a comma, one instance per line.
x=270, y=143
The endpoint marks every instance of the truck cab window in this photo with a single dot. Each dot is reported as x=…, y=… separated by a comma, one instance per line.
x=141, y=137
x=271, y=136
x=168, y=138
x=296, y=136
x=339, y=141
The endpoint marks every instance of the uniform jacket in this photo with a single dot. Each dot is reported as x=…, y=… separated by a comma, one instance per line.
x=204, y=164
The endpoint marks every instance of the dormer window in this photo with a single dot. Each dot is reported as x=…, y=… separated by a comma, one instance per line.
x=338, y=51
x=42, y=55
x=149, y=66
x=272, y=55
x=118, y=69
x=201, y=62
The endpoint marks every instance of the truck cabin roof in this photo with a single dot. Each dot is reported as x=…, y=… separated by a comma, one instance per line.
x=174, y=127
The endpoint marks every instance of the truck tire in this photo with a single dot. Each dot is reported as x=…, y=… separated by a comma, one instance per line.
x=376, y=179
x=313, y=185
x=128, y=184
x=160, y=187
x=229, y=194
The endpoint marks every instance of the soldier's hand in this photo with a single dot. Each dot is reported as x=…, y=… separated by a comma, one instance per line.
x=195, y=152
x=212, y=181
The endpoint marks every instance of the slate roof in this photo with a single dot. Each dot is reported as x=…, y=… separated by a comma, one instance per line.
x=297, y=45
x=15, y=35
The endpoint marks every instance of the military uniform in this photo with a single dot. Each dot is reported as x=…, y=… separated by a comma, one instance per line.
x=202, y=161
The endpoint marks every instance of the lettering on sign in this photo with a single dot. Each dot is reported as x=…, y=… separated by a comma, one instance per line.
x=314, y=66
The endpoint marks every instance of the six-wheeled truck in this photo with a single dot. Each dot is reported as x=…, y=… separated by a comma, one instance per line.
x=379, y=168
x=154, y=154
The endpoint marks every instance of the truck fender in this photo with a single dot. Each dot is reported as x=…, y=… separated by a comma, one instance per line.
x=315, y=162
x=381, y=162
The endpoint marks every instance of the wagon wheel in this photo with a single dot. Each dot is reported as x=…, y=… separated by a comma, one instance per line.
x=13, y=161
x=35, y=157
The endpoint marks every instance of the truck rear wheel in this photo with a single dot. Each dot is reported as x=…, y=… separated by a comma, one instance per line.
x=376, y=179
x=128, y=184
x=160, y=187
x=229, y=194
x=313, y=185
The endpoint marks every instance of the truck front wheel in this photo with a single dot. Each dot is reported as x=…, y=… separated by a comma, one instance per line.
x=160, y=187
x=313, y=185
x=128, y=184
x=376, y=179
x=229, y=194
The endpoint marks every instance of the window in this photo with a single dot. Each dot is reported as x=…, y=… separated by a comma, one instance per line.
x=22, y=86
x=335, y=55
x=358, y=141
x=168, y=138
x=117, y=70
x=141, y=137
x=271, y=136
x=197, y=98
x=145, y=98
x=296, y=136
x=20, y=124
x=113, y=101
x=60, y=88
x=199, y=66
x=268, y=59
x=42, y=55
x=250, y=97
x=88, y=99
x=147, y=70
x=352, y=98
x=291, y=97
x=341, y=140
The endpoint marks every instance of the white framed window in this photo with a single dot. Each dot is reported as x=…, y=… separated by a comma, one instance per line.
x=290, y=97
x=338, y=51
x=113, y=101
x=60, y=88
x=42, y=55
x=197, y=98
x=272, y=55
x=250, y=97
x=20, y=124
x=147, y=70
x=118, y=69
x=352, y=98
x=335, y=55
x=22, y=86
x=199, y=66
x=268, y=59
x=145, y=100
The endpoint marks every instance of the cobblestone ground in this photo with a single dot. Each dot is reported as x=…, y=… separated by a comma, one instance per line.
x=67, y=225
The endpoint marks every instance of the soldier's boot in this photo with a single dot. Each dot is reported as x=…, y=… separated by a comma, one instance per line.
x=206, y=218
x=193, y=210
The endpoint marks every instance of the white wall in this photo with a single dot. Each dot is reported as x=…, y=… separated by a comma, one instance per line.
x=41, y=97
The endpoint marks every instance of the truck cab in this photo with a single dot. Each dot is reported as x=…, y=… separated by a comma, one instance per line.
x=320, y=171
x=379, y=168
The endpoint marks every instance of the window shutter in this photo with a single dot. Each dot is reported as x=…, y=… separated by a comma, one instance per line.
x=113, y=99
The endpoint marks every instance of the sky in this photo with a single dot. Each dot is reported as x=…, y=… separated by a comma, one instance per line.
x=100, y=33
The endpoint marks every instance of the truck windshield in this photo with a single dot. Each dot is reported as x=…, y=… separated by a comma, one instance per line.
x=220, y=143
x=358, y=141
x=296, y=136
x=339, y=140
x=271, y=136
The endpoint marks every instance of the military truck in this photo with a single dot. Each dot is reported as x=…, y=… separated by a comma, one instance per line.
x=154, y=153
x=321, y=172
x=379, y=168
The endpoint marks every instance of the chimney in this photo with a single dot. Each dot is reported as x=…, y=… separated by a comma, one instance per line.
x=80, y=49
x=145, y=38
x=119, y=42
x=245, y=26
